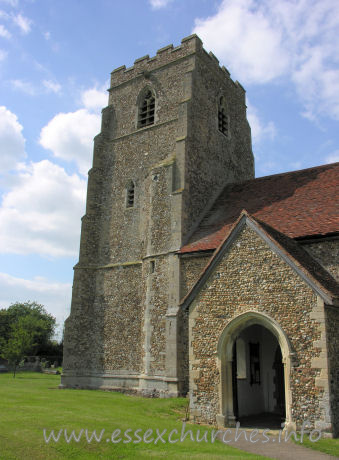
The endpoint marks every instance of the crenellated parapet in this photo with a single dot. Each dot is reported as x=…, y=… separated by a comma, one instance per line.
x=167, y=55
x=158, y=161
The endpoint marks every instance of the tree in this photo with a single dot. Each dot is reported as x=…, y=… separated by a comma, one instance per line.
x=18, y=345
x=33, y=317
x=25, y=329
x=5, y=327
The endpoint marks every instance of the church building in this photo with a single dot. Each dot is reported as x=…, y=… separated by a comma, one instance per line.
x=194, y=277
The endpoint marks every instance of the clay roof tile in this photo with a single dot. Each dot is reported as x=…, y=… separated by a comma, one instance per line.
x=300, y=204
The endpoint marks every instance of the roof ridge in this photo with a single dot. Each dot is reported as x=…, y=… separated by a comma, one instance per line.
x=235, y=184
x=298, y=203
x=304, y=263
x=297, y=170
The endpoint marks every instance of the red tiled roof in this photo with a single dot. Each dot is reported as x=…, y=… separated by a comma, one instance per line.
x=302, y=260
x=299, y=204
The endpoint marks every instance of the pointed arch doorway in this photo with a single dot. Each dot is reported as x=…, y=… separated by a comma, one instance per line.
x=254, y=360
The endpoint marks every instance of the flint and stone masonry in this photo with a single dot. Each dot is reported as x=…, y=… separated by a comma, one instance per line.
x=149, y=187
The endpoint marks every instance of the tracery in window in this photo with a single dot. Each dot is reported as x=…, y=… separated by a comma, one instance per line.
x=146, y=110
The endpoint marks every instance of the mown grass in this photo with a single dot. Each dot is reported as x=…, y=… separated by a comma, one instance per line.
x=32, y=402
x=326, y=445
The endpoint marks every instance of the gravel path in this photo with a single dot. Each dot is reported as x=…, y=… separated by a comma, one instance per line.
x=270, y=446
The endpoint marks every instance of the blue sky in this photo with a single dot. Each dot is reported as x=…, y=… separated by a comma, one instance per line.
x=55, y=60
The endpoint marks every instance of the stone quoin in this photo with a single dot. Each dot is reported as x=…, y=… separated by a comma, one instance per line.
x=194, y=277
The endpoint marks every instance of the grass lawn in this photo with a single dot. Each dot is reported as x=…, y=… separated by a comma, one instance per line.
x=325, y=445
x=31, y=402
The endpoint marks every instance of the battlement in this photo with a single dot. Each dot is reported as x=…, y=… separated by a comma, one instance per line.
x=145, y=65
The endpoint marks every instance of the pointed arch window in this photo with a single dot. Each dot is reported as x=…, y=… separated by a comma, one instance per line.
x=130, y=195
x=223, y=122
x=146, y=110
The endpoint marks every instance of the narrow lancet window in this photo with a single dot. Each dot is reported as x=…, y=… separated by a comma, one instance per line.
x=146, y=110
x=222, y=117
x=152, y=266
x=130, y=194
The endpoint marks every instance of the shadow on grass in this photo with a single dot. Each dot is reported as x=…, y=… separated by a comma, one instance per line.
x=27, y=375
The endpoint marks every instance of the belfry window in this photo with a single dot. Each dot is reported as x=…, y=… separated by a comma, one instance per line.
x=130, y=194
x=146, y=110
x=222, y=117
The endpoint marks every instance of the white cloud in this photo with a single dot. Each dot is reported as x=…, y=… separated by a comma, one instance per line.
x=56, y=297
x=47, y=35
x=27, y=87
x=259, y=129
x=332, y=157
x=51, y=86
x=12, y=142
x=4, y=32
x=244, y=37
x=296, y=40
x=23, y=23
x=24, y=86
x=157, y=4
x=94, y=99
x=319, y=88
x=70, y=137
x=41, y=214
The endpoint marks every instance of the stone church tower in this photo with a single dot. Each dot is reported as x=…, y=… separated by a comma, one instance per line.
x=194, y=277
x=174, y=133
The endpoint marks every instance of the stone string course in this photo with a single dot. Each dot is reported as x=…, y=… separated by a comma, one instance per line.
x=126, y=329
x=119, y=317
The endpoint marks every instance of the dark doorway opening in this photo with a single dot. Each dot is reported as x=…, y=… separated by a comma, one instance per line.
x=258, y=379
